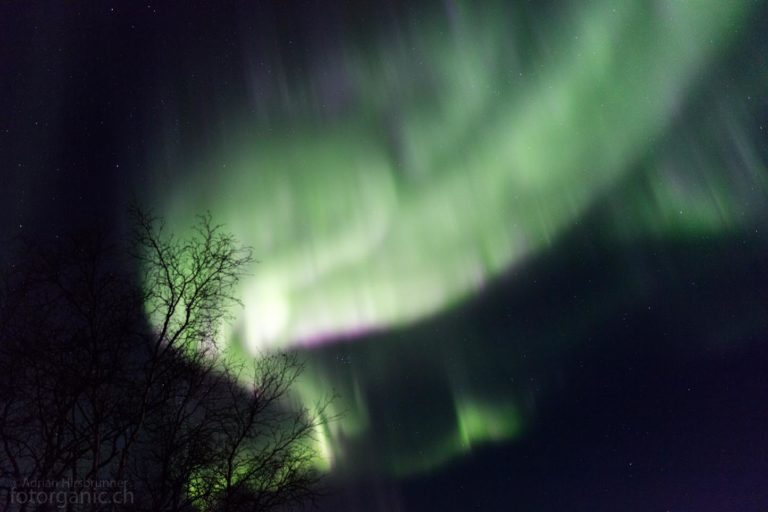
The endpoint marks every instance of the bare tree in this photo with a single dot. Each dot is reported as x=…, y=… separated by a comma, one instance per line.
x=102, y=378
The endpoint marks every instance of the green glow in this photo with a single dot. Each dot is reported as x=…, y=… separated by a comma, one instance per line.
x=480, y=423
x=457, y=163
x=351, y=237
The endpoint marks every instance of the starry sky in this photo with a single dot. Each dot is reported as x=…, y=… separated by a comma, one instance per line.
x=523, y=242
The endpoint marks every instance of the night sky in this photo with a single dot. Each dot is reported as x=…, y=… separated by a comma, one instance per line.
x=523, y=242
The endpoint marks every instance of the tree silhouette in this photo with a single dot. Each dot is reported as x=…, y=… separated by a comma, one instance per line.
x=103, y=379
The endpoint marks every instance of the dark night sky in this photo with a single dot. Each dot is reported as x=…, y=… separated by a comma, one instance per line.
x=660, y=404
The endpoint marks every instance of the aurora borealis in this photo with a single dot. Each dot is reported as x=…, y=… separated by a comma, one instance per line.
x=453, y=157
x=348, y=215
x=522, y=243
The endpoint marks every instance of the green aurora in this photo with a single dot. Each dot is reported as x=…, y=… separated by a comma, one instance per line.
x=468, y=146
